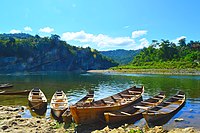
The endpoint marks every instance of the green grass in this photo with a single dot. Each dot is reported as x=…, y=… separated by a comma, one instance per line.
x=160, y=65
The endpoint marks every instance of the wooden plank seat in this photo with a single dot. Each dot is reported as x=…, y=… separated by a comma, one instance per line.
x=167, y=102
x=116, y=98
x=177, y=98
x=127, y=95
x=125, y=113
x=107, y=102
x=133, y=92
x=155, y=98
x=141, y=107
x=58, y=102
x=160, y=96
x=146, y=102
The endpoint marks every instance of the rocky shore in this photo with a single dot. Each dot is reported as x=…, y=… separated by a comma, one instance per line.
x=11, y=121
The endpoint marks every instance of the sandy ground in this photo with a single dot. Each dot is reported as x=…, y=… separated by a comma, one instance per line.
x=11, y=121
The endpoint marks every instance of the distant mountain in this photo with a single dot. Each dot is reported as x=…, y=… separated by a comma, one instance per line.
x=24, y=52
x=121, y=56
x=17, y=35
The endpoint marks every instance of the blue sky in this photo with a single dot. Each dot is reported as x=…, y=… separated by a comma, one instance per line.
x=104, y=24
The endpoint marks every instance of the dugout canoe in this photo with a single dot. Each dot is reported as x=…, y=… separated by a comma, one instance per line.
x=85, y=101
x=95, y=112
x=23, y=92
x=6, y=85
x=59, y=103
x=162, y=113
x=133, y=113
x=37, y=100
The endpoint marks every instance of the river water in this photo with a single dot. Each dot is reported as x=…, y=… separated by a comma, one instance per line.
x=76, y=85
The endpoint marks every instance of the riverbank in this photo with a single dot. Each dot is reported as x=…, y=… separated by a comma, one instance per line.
x=11, y=121
x=151, y=71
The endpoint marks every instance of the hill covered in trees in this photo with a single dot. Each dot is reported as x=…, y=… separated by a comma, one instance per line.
x=167, y=55
x=24, y=52
x=121, y=56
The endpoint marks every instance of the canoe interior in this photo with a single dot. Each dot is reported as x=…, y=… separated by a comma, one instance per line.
x=163, y=112
x=132, y=113
x=37, y=100
x=59, y=103
x=85, y=101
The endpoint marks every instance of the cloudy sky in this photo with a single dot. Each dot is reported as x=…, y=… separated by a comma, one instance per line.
x=103, y=24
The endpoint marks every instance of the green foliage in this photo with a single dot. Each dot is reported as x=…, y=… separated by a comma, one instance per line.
x=168, y=55
x=56, y=125
x=135, y=131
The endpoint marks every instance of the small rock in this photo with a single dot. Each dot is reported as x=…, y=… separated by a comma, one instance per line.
x=178, y=119
x=188, y=130
x=4, y=127
x=12, y=109
x=106, y=129
x=18, y=116
x=14, y=123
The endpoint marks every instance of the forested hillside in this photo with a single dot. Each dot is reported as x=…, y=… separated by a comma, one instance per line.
x=121, y=56
x=24, y=52
x=166, y=54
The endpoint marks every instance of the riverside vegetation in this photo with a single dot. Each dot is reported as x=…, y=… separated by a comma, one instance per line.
x=166, y=55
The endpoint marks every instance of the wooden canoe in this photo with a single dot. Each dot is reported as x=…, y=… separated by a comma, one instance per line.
x=37, y=100
x=23, y=92
x=95, y=112
x=85, y=101
x=132, y=113
x=163, y=112
x=4, y=86
x=59, y=103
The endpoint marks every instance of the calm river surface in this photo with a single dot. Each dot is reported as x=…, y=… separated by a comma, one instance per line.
x=76, y=86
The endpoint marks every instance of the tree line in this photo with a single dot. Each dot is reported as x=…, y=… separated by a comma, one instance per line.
x=166, y=54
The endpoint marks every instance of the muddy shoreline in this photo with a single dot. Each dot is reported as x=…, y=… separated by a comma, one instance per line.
x=12, y=121
x=151, y=71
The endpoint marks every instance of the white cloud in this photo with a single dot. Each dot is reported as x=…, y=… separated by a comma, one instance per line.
x=28, y=29
x=179, y=38
x=101, y=41
x=46, y=30
x=143, y=43
x=13, y=31
x=138, y=33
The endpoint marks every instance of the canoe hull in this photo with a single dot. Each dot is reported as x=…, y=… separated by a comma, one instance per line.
x=160, y=119
x=37, y=105
x=118, y=120
x=58, y=113
x=26, y=92
x=162, y=113
x=67, y=117
x=87, y=115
